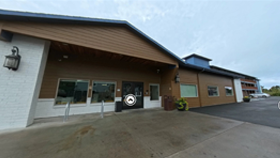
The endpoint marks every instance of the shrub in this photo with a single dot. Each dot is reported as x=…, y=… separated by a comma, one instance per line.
x=275, y=94
x=181, y=102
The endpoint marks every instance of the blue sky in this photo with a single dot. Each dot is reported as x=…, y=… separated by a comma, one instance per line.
x=243, y=36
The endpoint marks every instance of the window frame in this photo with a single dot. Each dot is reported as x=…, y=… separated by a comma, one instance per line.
x=154, y=84
x=103, y=81
x=191, y=85
x=73, y=105
x=232, y=94
x=217, y=91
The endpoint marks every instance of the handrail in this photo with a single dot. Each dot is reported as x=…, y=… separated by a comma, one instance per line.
x=102, y=109
x=67, y=110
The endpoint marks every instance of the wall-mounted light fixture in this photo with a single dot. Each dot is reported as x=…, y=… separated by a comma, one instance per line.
x=158, y=70
x=12, y=61
x=177, y=78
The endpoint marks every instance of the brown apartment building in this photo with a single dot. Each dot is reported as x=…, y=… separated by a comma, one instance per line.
x=87, y=61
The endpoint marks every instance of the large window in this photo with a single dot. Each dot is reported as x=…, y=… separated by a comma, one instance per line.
x=213, y=91
x=188, y=90
x=74, y=91
x=154, y=92
x=103, y=91
x=229, y=91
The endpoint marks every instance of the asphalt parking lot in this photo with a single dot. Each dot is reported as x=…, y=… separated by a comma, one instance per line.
x=263, y=112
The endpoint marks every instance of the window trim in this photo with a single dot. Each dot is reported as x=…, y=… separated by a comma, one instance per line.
x=102, y=81
x=231, y=89
x=217, y=91
x=192, y=85
x=154, y=84
x=72, y=105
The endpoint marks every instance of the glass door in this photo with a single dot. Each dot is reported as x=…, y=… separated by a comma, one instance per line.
x=132, y=95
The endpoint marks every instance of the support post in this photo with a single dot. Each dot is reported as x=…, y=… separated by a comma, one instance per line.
x=102, y=109
x=67, y=110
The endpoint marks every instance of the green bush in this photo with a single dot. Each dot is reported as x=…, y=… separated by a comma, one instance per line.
x=182, y=101
x=275, y=94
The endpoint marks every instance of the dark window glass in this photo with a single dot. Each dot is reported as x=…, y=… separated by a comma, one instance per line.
x=74, y=91
x=229, y=91
x=213, y=91
x=154, y=92
x=103, y=91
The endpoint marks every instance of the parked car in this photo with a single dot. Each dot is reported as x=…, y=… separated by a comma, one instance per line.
x=257, y=95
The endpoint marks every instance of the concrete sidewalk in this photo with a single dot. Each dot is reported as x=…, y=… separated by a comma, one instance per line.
x=143, y=133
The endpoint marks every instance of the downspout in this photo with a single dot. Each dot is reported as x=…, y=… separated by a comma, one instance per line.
x=198, y=86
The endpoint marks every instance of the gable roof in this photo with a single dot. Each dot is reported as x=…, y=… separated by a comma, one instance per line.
x=9, y=15
x=198, y=56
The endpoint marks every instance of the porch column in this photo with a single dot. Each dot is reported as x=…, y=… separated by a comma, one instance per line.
x=168, y=85
x=20, y=89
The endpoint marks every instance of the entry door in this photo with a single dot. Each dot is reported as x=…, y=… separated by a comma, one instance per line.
x=135, y=88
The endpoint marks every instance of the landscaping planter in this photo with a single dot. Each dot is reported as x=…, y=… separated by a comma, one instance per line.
x=182, y=107
x=246, y=99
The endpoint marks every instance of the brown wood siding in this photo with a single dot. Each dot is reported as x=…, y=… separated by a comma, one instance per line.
x=206, y=80
x=113, y=39
x=98, y=69
x=168, y=85
x=190, y=77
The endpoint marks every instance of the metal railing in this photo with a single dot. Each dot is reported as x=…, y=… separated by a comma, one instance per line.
x=67, y=111
x=102, y=109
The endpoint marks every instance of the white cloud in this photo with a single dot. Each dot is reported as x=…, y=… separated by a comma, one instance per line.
x=138, y=9
x=242, y=36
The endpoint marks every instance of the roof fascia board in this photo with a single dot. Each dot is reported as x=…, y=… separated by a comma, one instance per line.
x=210, y=70
x=222, y=69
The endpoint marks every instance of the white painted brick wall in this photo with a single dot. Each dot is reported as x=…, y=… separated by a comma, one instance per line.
x=19, y=89
x=148, y=103
x=45, y=107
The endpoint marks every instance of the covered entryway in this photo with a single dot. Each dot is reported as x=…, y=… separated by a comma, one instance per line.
x=82, y=61
x=86, y=77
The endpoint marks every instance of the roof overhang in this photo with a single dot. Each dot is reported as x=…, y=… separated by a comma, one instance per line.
x=9, y=15
x=217, y=72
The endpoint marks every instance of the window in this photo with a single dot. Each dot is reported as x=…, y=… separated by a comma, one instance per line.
x=188, y=90
x=213, y=91
x=74, y=91
x=103, y=91
x=154, y=92
x=229, y=91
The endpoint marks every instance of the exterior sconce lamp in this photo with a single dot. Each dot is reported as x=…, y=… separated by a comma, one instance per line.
x=158, y=70
x=177, y=78
x=12, y=61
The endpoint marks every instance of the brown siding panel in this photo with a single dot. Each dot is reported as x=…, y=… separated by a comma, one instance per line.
x=213, y=80
x=96, y=69
x=189, y=77
x=114, y=39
